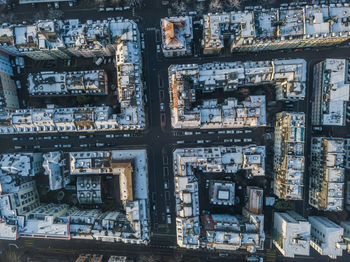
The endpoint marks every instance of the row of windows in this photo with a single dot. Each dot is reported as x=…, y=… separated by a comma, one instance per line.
x=316, y=231
x=31, y=199
x=10, y=93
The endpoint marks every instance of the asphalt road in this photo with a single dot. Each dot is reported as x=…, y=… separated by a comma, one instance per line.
x=159, y=139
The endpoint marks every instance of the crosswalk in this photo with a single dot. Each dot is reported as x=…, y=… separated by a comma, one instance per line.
x=28, y=242
x=270, y=255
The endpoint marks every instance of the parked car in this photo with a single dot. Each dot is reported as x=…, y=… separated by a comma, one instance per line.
x=168, y=219
x=99, y=61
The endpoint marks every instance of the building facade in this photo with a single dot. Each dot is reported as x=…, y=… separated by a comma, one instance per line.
x=291, y=234
x=177, y=36
x=326, y=237
x=8, y=89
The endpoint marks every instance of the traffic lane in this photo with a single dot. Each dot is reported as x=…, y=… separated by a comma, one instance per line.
x=89, y=141
x=151, y=79
x=309, y=55
x=166, y=198
x=74, y=144
x=253, y=136
x=25, y=13
x=75, y=246
x=157, y=184
x=303, y=206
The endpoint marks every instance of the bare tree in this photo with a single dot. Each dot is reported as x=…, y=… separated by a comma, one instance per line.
x=234, y=3
x=179, y=6
x=100, y=2
x=55, y=14
x=182, y=7
x=39, y=16
x=12, y=256
x=7, y=18
x=145, y=258
x=115, y=2
x=135, y=2
x=215, y=5
x=200, y=8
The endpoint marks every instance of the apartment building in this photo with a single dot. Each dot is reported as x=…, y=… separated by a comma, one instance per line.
x=331, y=92
x=326, y=237
x=285, y=27
x=289, y=156
x=326, y=187
x=291, y=234
x=177, y=36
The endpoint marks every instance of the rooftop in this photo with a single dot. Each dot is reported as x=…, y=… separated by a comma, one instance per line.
x=328, y=173
x=128, y=224
x=186, y=82
x=289, y=157
x=177, y=33
x=67, y=83
x=220, y=231
x=275, y=28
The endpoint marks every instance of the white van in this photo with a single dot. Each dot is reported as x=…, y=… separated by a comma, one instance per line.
x=99, y=61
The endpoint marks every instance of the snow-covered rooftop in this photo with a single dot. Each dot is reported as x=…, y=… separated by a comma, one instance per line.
x=177, y=34
x=283, y=27
x=222, y=231
x=288, y=77
x=68, y=83
x=289, y=157
x=327, y=170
